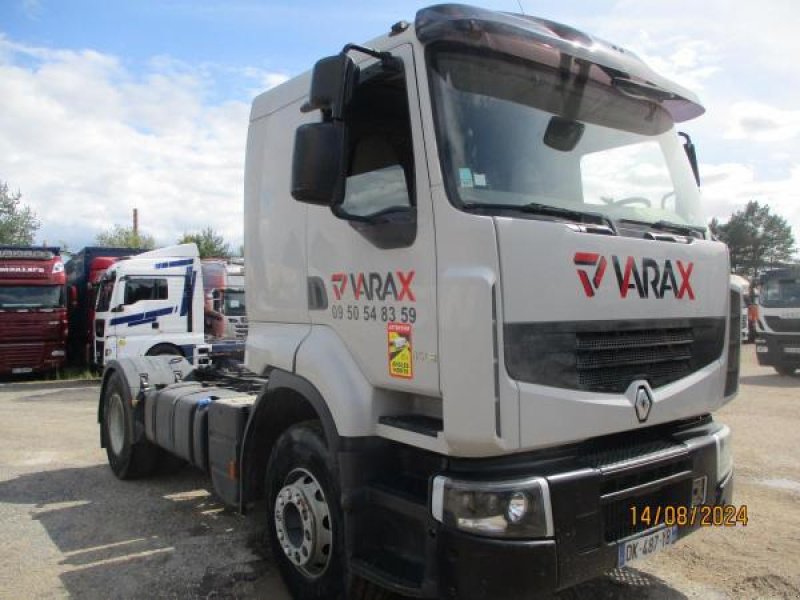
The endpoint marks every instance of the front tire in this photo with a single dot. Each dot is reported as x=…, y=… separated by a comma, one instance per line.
x=785, y=371
x=127, y=459
x=304, y=516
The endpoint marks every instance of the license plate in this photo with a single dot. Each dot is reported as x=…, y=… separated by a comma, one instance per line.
x=645, y=545
x=18, y=370
x=792, y=350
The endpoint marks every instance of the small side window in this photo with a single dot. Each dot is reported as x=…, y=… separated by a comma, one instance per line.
x=145, y=289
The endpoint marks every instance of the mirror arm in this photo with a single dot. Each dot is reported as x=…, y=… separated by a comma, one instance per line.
x=688, y=147
x=389, y=62
x=368, y=51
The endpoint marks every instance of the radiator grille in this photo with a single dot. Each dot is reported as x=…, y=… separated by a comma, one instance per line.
x=659, y=356
x=608, y=356
x=783, y=325
x=15, y=356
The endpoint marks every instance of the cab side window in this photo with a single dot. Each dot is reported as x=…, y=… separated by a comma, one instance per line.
x=381, y=174
x=145, y=289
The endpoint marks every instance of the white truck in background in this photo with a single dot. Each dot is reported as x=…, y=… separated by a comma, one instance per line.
x=225, y=308
x=152, y=304
x=481, y=343
x=778, y=320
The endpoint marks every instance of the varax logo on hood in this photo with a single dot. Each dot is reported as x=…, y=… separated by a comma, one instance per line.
x=646, y=276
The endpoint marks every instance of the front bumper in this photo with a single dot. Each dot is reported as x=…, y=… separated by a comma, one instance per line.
x=771, y=349
x=591, y=513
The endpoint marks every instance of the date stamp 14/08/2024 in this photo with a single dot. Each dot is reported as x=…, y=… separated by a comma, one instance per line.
x=728, y=515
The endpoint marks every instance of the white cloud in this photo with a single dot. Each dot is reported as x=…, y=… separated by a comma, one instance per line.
x=760, y=122
x=86, y=140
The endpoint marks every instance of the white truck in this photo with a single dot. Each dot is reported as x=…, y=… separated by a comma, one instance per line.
x=488, y=324
x=151, y=304
x=778, y=322
x=225, y=307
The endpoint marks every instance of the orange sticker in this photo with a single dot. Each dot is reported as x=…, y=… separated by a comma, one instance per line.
x=400, y=350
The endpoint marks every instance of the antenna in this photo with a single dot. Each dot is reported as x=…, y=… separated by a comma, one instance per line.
x=522, y=10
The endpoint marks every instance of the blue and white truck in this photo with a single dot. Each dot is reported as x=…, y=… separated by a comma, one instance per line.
x=152, y=304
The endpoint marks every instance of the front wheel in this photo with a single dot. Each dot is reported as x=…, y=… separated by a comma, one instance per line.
x=304, y=516
x=128, y=459
x=785, y=371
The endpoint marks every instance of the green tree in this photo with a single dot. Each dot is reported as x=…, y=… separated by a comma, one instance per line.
x=124, y=237
x=756, y=239
x=18, y=222
x=210, y=244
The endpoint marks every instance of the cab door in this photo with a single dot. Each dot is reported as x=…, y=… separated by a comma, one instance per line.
x=373, y=260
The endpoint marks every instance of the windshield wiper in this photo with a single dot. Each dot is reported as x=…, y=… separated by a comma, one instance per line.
x=670, y=227
x=537, y=208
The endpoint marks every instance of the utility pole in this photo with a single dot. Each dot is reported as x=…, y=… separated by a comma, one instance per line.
x=135, y=223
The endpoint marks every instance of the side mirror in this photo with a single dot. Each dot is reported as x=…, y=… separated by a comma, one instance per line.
x=332, y=83
x=118, y=308
x=318, y=165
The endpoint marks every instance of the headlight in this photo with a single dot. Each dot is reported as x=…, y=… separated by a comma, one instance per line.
x=724, y=452
x=515, y=509
x=58, y=267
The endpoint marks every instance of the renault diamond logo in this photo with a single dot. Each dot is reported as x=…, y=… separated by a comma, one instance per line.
x=643, y=404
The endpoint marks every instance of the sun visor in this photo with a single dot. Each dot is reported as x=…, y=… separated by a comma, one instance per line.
x=558, y=46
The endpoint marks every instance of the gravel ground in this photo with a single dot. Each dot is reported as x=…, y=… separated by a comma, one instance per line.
x=69, y=528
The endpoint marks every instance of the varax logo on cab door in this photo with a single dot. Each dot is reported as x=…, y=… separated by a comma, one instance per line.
x=646, y=277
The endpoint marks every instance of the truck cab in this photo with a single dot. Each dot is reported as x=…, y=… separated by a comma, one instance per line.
x=151, y=304
x=487, y=322
x=33, y=314
x=778, y=320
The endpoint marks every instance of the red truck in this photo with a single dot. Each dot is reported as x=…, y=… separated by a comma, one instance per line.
x=33, y=314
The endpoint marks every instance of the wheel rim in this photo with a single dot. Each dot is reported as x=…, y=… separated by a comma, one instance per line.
x=303, y=523
x=116, y=423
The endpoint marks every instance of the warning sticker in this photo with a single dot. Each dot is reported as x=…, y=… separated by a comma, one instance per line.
x=400, y=350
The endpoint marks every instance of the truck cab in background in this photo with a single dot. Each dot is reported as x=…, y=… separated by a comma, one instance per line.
x=84, y=271
x=778, y=320
x=33, y=314
x=151, y=304
x=225, y=309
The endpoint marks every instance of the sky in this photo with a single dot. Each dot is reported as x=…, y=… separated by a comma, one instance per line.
x=107, y=106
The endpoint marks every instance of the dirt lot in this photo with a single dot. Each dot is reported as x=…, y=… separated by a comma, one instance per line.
x=68, y=528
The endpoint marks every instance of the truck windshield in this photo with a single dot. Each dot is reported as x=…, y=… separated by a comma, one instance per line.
x=234, y=303
x=783, y=292
x=31, y=296
x=517, y=135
